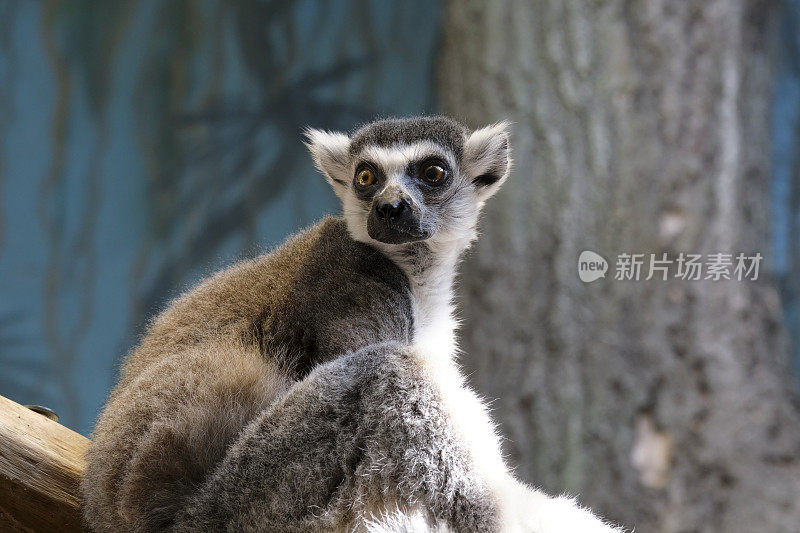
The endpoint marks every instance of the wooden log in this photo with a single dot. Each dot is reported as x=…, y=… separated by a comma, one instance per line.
x=41, y=463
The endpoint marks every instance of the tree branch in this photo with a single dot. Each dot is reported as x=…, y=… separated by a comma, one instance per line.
x=41, y=463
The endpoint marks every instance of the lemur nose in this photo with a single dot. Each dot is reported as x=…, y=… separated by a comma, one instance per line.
x=390, y=209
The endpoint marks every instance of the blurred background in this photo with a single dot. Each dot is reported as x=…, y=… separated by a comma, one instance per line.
x=145, y=144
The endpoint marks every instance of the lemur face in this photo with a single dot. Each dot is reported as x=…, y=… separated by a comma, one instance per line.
x=407, y=180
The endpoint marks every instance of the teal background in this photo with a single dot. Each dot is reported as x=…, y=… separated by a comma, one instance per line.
x=785, y=193
x=145, y=144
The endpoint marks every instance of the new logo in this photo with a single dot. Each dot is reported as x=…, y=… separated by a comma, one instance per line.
x=591, y=266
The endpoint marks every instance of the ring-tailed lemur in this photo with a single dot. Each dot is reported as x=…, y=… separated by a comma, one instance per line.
x=315, y=388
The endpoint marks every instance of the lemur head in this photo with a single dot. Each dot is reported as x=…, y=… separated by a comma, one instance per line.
x=409, y=180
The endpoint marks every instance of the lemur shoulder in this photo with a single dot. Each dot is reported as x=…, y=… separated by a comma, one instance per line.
x=315, y=388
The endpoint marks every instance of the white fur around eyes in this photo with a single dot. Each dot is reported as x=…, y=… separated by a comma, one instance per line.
x=394, y=159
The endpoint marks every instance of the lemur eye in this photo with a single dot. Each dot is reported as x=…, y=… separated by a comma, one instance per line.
x=433, y=173
x=365, y=177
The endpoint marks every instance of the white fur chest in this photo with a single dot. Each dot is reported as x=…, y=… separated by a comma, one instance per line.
x=435, y=345
x=431, y=282
x=434, y=325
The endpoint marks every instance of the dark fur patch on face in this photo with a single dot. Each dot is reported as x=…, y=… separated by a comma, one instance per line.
x=444, y=131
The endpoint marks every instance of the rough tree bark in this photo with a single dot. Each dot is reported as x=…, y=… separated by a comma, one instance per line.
x=639, y=127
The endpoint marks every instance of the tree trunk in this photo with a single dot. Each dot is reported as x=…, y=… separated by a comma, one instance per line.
x=640, y=127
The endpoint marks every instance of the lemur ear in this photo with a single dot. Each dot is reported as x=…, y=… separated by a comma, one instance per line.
x=331, y=153
x=487, y=158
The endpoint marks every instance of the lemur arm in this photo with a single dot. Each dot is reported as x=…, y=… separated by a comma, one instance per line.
x=361, y=436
